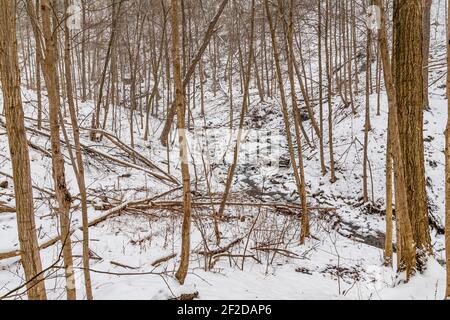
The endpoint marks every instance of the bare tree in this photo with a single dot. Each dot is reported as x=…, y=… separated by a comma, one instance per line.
x=49, y=62
x=10, y=79
x=406, y=249
x=244, y=108
x=181, y=124
x=79, y=166
x=408, y=54
x=447, y=165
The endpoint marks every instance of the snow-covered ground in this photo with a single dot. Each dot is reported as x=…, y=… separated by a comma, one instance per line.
x=343, y=259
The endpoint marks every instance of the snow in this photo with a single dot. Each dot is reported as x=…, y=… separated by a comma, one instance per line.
x=342, y=261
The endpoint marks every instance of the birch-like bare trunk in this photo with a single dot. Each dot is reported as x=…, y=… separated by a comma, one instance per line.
x=49, y=65
x=79, y=166
x=406, y=249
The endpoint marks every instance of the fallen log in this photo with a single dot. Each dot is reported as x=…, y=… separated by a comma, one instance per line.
x=123, y=265
x=187, y=296
x=243, y=256
x=116, y=141
x=174, y=203
x=162, y=177
x=221, y=250
x=121, y=207
x=7, y=209
x=164, y=259
x=283, y=252
x=125, y=163
x=106, y=215
x=45, y=245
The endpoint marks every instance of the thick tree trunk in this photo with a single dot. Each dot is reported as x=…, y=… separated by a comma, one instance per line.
x=408, y=54
x=79, y=167
x=12, y=101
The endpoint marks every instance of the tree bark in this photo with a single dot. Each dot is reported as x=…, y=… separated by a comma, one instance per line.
x=172, y=108
x=406, y=248
x=389, y=225
x=408, y=54
x=49, y=64
x=426, y=49
x=447, y=166
x=79, y=167
x=181, y=123
x=18, y=146
x=248, y=71
x=305, y=233
x=284, y=110
x=329, y=80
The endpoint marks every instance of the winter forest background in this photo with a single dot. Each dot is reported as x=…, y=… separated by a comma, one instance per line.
x=224, y=149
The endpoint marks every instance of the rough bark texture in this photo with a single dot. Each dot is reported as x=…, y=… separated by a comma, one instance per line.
x=79, y=166
x=180, y=103
x=447, y=167
x=408, y=22
x=58, y=171
x=18, y=146
x=172, y=109
x=233, y=166
x=405, y=246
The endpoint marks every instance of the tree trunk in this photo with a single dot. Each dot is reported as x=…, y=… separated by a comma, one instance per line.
x=15, y=126
x=96, y=115
x=79, y=167
x=181, y=121
x=367, y=117
x=447, y=166
x=408, y=54
x=319, y=49
x=406, y=248
x=248, y=71
x=426, y=49
x=329, y=80
x=172, y=108
x=305, y=233
x=49, y=65
x=389, y=228
x=284, y=111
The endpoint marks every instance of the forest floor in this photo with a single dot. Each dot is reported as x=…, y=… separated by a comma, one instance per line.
x=343, y=259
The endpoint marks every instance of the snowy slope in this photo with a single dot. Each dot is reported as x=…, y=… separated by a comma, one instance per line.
x=342, y=261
